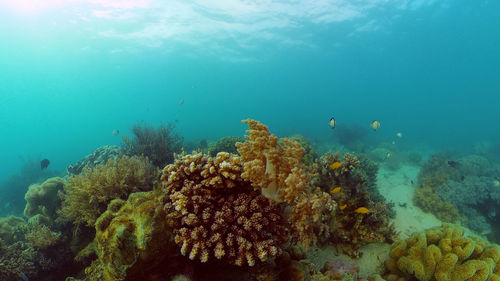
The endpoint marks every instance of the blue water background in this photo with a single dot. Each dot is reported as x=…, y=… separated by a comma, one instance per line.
x=429, y=69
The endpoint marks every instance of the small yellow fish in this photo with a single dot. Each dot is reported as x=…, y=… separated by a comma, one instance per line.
x=342, y=207
x=362, y=210
x=335, y=190
x=375, y=125
x=393, y=142
x=399, y=134
x=142, y=154
x=335, y=165
x=388, y=155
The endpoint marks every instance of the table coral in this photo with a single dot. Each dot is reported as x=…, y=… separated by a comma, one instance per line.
x=443, y=254
x=277, y=169
x=219, y=214
x=87, y=195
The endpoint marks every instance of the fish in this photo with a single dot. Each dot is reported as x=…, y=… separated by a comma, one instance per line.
x=399, y=134
x=393, y=142
x=23, y=276
x=331, y=123
x=496, y=182
x=335, y=165
x=115, y=132
x=375, y=125
x=44, y=163
x=492, y=213
x=362, y=210
x=453, y=164
x=181, y=101
x=336, y=190
x=388, y=155
x=411, y=181
x=342, y=207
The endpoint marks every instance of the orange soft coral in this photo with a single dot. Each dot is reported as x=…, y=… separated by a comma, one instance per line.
x=277, y=169
x=218, y=214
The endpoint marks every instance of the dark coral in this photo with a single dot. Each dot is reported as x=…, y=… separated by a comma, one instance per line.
x=98, y=156
x=225, y=144
x=158, y=144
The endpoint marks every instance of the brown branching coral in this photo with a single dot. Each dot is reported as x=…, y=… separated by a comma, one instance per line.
x=40, y=237
x=277, y=168
x=218, y=214
x=355, y=177
x=87, y=195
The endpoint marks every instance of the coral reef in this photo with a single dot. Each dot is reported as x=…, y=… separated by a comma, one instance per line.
x=99, y=156
x=131, y=237
x=428, y=201
x=218, y=214
x=225, y=144
x=157, y=144
x=443, y=254
x=87, y=195
x=277, y=168
x=43, y=199
x=12, y=229
x=310, y=156
x=356, y=178
x=338, y=269
x=40, y=236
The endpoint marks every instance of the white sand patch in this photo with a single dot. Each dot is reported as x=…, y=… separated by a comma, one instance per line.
x=396, y=186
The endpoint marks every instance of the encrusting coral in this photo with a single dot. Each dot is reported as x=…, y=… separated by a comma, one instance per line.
x=217, y=214
x=277, y=169
x=443, y=254
x=87, y=195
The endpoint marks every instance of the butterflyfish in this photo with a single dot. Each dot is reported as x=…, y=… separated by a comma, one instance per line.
x=375, y=125
x=399, y=134
x=331, y=123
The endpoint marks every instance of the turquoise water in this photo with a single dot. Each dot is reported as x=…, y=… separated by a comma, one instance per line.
x=71, y=73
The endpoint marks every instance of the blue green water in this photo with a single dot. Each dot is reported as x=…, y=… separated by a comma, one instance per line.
x=72, y=72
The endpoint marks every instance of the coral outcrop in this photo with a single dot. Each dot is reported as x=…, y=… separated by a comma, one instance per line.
x=225, y=144
x=355, y=178
x=277, y=169
x=443, y=254
x=130, y=238
x=87, y=195
x=98, y=156
x=158, y=144
x=217, y=214
x=43, y=199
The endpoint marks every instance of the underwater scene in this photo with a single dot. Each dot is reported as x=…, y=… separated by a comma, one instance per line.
x=252, y=140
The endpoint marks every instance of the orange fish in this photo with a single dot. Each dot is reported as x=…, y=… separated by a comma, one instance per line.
x=335, y=165
x=335, y=190
x=342, y=207
x=362, y=210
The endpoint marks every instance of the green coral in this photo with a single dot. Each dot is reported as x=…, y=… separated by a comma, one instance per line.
x=428, y=201
x=225, y=144
x=443, y=254
x=87, y=195
x=43, y=199
x=132, y=237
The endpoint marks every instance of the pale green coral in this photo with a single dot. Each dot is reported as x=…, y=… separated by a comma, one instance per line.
x=443, y=254
x=87, y=195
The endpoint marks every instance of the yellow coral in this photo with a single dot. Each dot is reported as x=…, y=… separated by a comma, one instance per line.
x=277, y=169
x=443, y=254
x=87, y=195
